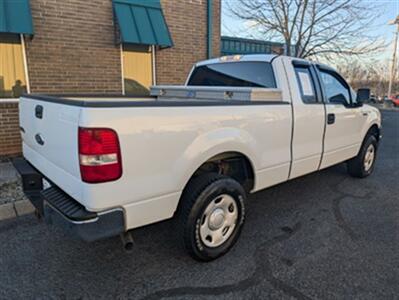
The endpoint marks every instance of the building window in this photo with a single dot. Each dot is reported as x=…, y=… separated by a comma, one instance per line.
x=12, y=67
x=137, y=69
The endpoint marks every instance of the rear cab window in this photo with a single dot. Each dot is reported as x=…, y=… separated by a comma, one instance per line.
x=306, y=84
x=237, y=74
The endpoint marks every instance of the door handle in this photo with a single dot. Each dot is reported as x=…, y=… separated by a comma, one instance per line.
x=330, y=118
x=365, y=113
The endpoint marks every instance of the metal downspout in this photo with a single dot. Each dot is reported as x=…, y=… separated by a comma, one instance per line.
x=210, y=25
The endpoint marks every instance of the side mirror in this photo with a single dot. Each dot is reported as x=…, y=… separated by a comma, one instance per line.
x=362, y=95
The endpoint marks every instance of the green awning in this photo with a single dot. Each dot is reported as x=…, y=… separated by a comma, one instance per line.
x=142, y=22
x=15, y=16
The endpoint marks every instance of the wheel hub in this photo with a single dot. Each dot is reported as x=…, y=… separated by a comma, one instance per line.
x=216, y=219
x=369, y=157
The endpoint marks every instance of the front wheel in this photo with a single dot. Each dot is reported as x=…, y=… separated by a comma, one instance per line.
x=363, y=164
x=211, y=215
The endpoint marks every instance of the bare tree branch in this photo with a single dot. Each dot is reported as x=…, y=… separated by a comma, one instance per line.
x=316, y=28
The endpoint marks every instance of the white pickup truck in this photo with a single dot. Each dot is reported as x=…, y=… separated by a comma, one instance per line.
x=104, y=166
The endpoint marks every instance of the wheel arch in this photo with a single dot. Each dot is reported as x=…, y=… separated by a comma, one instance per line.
x=234, y=164
x=248, y=181
x=373, y=130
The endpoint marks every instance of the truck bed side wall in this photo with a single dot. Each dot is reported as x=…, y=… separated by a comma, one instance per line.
x=162, y=148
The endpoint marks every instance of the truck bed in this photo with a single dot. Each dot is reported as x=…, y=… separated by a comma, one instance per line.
x=93, y=101
x=163, y=96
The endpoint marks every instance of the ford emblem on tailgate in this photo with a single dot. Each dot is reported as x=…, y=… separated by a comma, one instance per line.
x=39, y=139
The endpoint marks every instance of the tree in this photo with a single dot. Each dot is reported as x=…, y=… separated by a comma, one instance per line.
x=373, y=74
x=314, y=28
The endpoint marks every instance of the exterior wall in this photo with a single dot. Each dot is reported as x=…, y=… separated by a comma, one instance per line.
x=74, y=51
x=217, y=27
x=187, y=22
x=10, y=141
x=79, y=54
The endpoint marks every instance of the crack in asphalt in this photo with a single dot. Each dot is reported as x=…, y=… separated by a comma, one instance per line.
x=336, y=207
x=262, y=272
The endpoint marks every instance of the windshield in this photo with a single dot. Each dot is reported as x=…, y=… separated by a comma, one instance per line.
x=244, y=74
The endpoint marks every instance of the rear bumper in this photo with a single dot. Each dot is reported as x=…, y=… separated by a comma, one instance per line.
x=59, y=208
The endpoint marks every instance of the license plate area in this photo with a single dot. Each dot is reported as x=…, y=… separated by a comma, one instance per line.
x=32, y=182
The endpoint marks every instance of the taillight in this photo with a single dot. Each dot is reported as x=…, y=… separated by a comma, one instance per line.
x=99, y=155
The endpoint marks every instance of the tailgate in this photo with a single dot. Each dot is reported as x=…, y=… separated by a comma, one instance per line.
x=50, y=141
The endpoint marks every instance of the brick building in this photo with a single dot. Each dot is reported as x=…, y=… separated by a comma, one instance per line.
x=97, y=47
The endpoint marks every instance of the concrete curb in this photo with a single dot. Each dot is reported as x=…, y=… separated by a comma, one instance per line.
x=16, y=209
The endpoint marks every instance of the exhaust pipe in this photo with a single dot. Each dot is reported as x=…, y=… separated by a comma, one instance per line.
x=127, y=241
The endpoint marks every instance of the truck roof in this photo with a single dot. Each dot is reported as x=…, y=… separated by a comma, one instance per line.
x=255, y=57
x=232, y=58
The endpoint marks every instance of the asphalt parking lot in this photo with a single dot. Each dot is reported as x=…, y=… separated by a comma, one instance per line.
x=322, y=236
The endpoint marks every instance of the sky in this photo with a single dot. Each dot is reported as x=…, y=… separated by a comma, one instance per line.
x=390, y=8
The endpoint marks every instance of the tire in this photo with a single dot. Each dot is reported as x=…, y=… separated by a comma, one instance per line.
x=361, y=166
x=211, y=216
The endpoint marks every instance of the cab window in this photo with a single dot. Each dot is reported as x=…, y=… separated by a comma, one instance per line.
x=244, y=74
x=306, y=84
x=335, y=88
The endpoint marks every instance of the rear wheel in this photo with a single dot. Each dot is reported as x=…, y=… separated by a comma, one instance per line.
x=211, y=215
x=363, y=164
